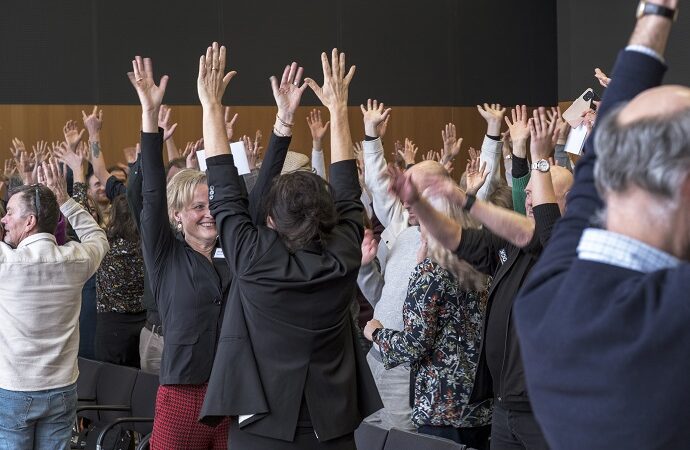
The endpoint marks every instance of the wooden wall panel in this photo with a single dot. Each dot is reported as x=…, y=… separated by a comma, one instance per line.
x=122, y=123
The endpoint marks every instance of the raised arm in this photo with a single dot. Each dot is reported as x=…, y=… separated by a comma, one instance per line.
x=333, y=94
x=169, y=128
x=519, y=134
x=387, y=207
x=318, y=130
x=287, y=94
x=92, y=238
x=492, y=145
x=156, y=234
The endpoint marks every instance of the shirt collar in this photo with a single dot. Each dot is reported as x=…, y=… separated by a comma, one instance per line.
x=622, y=251
x=36, y=237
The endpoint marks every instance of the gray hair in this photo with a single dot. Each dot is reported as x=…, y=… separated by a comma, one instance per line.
x=653, y=154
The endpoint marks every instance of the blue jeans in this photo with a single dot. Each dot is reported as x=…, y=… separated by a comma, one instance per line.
x=37, y=420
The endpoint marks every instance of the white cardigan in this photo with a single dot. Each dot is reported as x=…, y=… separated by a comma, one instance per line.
x=40, y=300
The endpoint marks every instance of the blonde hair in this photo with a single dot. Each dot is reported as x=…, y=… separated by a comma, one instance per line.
x=180, y=190
x=468, y=277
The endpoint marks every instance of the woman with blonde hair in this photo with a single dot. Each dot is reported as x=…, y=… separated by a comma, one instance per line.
x=189, y=285
x=443, y=314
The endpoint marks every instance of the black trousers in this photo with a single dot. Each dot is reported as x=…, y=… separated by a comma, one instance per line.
x=474, y=437
x=515, y=430
x=117, y=337
x=305, y=438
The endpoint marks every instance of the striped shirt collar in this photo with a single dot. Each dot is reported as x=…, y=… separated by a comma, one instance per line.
x=618, y=250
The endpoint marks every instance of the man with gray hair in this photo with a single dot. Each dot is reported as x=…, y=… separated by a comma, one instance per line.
x=40, y=300
x=603, y=320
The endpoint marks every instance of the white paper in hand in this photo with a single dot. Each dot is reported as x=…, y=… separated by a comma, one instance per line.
x=240, y=157
x=201, y=157
x=576, y=140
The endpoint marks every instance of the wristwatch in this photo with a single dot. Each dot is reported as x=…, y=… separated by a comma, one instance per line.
x=646, y=8
x=542, y=165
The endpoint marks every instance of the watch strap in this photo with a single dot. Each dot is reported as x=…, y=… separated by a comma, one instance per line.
x=469, y=201
x=657, y=10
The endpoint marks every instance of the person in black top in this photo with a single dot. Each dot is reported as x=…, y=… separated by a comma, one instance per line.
x=507, y=247
x=289, y=365
x=188, y=285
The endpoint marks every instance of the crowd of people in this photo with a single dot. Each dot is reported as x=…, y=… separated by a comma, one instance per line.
x=515, y=305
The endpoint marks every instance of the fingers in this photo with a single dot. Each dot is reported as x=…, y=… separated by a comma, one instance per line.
x=292, y=71
x=325, y=66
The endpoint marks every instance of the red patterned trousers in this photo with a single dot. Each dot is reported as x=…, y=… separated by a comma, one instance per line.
x=175, y=426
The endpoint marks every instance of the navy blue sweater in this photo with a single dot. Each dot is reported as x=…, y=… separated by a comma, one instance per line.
x=605, y=349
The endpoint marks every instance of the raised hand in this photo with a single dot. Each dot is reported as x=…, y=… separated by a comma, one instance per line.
x=369, y=247
x=383, y=126
x=451, y=144
x=334, y=92
x=401, y=185
x=53, y=176
x=190, y=157
x=519, y=130
x=72, y=158
x=141, y=77
x=432, y=156
x=229, y=123
x=317, y=127
x=601, y=76
x=288, y=93
x=10, y=168
x=562, y=125
x=17, y=149
x=409, y=155
x=542, y=134
x=493, y=114
x=252, y=150
x=93, y=123
x=374, y=114
x=130, y=154
x=213, y=80
x=72, y=134
x=476, y=172
x=164, y=122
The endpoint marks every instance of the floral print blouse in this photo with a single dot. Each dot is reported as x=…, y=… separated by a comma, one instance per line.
x=441, y=342
x=120, y=277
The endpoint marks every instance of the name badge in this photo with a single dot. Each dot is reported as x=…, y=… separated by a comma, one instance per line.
x=219, y=253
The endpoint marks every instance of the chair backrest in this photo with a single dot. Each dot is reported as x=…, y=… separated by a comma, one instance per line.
x=89, y=370
x=405, y=440
x=370, y=437
x=115, y=385
x=144, y=399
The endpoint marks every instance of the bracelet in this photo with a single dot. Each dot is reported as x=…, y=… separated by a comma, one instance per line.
x=469, y=201
x=284, y=123
x=277, y=133
x=508, y=157
x=375, y=333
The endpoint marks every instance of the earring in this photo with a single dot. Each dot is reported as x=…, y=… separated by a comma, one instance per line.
x=179, y=227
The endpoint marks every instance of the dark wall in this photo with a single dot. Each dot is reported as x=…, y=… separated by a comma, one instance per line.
x=441, y=52
x=590, y=34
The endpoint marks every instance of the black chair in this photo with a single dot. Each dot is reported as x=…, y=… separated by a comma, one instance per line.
x=142, y=411
x=89, y=371
x=144, y=443
x=370, y=437
x=113, y=396
x=405, y=440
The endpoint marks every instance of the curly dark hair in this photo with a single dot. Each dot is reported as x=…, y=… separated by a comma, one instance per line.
x=121, y=224
x=301, y=206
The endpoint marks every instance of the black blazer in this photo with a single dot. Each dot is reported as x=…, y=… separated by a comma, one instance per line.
x=189, y=291
x=287, y=332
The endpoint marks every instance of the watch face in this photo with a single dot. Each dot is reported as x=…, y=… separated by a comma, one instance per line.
x=543, y=165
